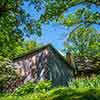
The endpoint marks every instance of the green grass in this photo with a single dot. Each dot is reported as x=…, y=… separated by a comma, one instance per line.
x=78, y=90
x=74, y=94
x=93, y=82
x=61, y=93
x=14, y=97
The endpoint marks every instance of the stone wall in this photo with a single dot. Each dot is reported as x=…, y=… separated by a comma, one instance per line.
x=45, y=65
x=32, y=66
x=60, y=71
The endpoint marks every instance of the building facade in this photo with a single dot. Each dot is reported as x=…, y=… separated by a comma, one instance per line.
x=45, y=63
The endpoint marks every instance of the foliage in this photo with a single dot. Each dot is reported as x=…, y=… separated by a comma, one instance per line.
x=31, y=87
x=62, y=93
x=83, y=15
x=52, y=10
x=55, y=8
x=26, y=46
x=18, y=49
x=79, y=90
x=25, y=89
x=13, y=15
x=86, y=83
x=84, y=42
x=84, y=38
x=7, y=72
x=70, y=94
x=11, y=21
x=43, y=86
x=9, y=38
x=16, y=22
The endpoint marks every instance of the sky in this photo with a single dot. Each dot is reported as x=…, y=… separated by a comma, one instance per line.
x=54, y=33
x=51, y=33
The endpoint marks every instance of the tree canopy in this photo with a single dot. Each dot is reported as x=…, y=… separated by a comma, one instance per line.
x=26, y=46
x=16, y=22
x=52, y=9
x=84, y=37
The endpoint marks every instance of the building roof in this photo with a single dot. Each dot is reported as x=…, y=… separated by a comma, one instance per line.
x=37, y=50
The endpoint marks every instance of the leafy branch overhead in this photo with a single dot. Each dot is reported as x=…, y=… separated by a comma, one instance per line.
x=82, y=15
x=52, y=10
x=16, y=22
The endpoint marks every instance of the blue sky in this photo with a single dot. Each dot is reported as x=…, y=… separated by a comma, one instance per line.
x=53, y=33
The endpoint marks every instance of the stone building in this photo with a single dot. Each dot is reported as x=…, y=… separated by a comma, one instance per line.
x=44, y=63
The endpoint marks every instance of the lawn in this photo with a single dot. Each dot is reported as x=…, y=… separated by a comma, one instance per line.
x=61, y=93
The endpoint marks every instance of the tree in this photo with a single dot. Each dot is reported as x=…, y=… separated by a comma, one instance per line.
x=9, y=38
x=26, y=46
x=13, y=16
x=83, y=35
x=55, y=8
x=52, y=10
x=16, y=16
x=83, y=41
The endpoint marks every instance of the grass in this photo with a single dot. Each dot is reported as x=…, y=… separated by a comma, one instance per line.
x=78, y=90
x=61, y=93
x=74, y=94
x=14, y=97
x=93, y=82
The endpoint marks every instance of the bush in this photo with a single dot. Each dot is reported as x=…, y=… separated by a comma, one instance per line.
x=7, y=73
x=30, y=87
x=25, y=89
x=43, y=86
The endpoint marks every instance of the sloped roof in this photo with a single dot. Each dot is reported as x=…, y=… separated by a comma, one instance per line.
x=37, y=50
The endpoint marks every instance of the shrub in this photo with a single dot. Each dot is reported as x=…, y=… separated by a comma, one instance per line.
x=25, y=89
x=43, y=86
x=30, y=87
x=7, y=73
